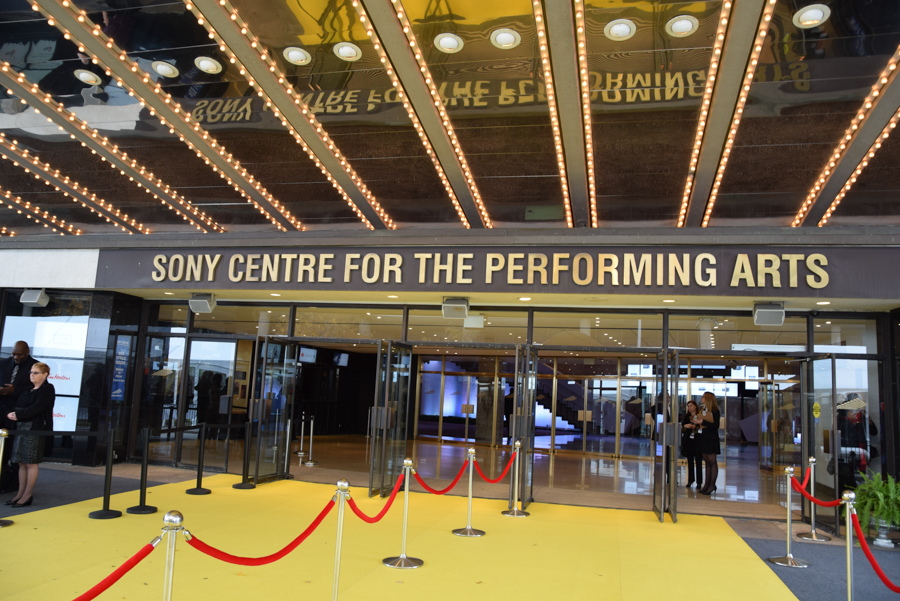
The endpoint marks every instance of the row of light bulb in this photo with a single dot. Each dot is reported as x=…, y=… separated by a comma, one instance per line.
x=227, y=168
x=444, y=117
x=871, y=99
x=273, y=72
x=585, y=89
x=739, y=108
x=34, y=212
x=721, y=28
x=538, y=11
x=6, y=232
x=81, y=195
x=80, y=130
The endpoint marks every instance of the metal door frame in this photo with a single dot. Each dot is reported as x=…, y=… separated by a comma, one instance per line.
x=664, y=494
x=383, y=382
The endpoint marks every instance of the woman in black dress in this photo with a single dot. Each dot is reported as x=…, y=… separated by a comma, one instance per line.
x=690, y=444
x=34, y=411
x=709, y=440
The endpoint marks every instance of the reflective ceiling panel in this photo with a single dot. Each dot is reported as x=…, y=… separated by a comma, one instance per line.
x=809, y=84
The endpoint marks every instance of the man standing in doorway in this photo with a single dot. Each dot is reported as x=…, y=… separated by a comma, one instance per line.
x=14, y=380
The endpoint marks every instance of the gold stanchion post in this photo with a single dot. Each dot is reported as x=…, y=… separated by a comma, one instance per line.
x=788, y=560
x=171, y=527
x=813, y=536
x=849, y=498
x=340, y=496
x=3, y=434
x=515, y=512
x=404, y=562
x=468, y=530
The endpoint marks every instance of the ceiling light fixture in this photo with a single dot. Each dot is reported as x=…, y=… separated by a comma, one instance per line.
x=682, y=26
x=620, y=30
x=347, y=51
x=524, y=298
x=208, y=65
x=550, y=92
x=823, y=303
x=505, y=39
x=721, y=28
x=438, y=101
x=811, y=16
x=296, y=56
x=165, y=69
x=739, y=108
x=871, y=100
x=585, y=89
x=449, y=43
x=88, y=77
x=668, y=300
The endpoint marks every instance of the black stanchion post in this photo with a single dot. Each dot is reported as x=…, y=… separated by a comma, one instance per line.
x=3, y=434
x=106, y=513
x=245, y=483
x=143, y=508
x=199, y=490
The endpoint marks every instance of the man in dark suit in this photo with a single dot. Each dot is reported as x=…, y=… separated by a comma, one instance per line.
x=14, y=380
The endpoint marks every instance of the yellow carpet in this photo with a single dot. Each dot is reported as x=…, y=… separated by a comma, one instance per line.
x=559, y=552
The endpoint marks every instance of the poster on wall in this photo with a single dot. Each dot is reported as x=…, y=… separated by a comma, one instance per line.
x=120, y=368
x=65, y=413
x=65, y=375
x=55, y=336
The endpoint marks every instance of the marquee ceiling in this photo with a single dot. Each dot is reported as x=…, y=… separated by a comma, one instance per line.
x=143, y=117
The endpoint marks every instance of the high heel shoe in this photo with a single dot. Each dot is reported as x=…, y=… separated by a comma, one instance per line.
x=25, y=504
x=703, y=492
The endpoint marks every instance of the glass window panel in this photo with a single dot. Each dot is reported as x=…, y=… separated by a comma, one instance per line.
x=586, y=366
x=500, y=327
x=354, y=322
x=172, y=319
x=638, y=397
x=859, y=420
x=845, y=335
x=241, y=319
x=736, y=333
x=597, y=329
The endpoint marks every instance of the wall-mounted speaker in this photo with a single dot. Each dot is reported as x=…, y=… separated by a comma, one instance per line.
x=34, y=298
x=455, y=308
x=202, y=303
x=768, y=314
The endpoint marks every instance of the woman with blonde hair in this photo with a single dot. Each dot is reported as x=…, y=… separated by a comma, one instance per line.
x=34, y=411
x=709, y=440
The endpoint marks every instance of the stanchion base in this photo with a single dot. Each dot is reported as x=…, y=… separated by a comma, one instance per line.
x=468, y=531
x=788, y=561
x=300, y=453
x=403, y=562
x=198, y=491
x=6, y=523
x=243, y=486
x=105, y=514
x=515, y=513
x=311, y=463
x=141, y=509
x=814, y=537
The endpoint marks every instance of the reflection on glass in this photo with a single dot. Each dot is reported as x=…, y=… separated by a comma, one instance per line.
x=736, y=333
x=162, y=406
x=352, y=323
x=172, y=319
x=241, y=319
x=852, y=336
x=431, y=327
x=597, y=330
x=211, y=368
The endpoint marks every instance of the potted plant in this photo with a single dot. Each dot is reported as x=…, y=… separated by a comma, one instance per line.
x=878, y=500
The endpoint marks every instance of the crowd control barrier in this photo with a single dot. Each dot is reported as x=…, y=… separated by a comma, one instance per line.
x=812, y=536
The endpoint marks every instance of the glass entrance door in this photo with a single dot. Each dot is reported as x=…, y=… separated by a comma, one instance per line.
x=664, y=416
x=392, y=390
x=822, y=439
x=272, y=409
x=211, y=372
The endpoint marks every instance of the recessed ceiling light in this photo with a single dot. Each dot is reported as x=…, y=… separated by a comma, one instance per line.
x=823, y=303
x=448, y=42
x=668, y=300
x=347, y=51
x=296, y=56
x=171, y=293
x=208, y=65
x=524, y=298
x=393, y=296
x=682, y=26
x=165, y=69
x=505, y=39
x=811, y=16
x=828, y=323
x=274, y=294
x=88, y=77
x=620, y=29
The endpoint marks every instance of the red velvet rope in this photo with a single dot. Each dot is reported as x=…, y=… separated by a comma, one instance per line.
x=120, y=571
x=384, y=510
x=865, y=547
x=446, y=490
x=261, y=561
x=806, y=478
x=503, y=475
x=796, y=484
